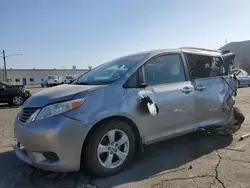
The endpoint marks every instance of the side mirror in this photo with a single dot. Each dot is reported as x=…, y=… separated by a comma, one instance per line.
x=142, y=81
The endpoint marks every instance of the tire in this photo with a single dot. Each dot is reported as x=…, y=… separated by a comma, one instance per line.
x=238, y=115
x=233, y=128
x=17, y=100
x=95, y=162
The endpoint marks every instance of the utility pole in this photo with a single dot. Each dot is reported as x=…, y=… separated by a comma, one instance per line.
x=5, y=70
x=4, y=60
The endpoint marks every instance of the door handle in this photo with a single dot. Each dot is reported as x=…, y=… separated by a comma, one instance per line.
x=200, y=88
x=186, y=90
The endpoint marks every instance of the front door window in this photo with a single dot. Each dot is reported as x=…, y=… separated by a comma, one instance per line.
x=166, y=69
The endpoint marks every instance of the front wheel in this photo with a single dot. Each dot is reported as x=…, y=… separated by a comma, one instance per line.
x=110, y=148
x=17, y=100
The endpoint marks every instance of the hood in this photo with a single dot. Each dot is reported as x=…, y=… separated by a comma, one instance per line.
x=55, y=94
x=18, y=86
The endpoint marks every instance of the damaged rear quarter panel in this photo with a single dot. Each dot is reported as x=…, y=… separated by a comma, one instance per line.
x=214, y=103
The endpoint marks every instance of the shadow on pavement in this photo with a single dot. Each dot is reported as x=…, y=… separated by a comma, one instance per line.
x=6, y=106
x=16, y=174
x=171, y=154
x=157, y=158
x=9, y=163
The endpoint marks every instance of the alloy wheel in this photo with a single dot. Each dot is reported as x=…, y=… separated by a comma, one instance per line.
x=17, y=100
x=113, y=148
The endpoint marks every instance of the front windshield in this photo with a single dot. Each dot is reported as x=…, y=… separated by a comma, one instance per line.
x=110, y=71
x=52, y=77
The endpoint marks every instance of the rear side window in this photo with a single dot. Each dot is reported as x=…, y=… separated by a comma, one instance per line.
x=205, y=66
x=165, y=69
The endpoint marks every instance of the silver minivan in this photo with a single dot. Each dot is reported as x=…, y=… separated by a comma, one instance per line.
x=104, y=117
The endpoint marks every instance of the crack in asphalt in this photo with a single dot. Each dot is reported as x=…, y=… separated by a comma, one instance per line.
x=216, y=170
x=90, y=184
x=216, y=176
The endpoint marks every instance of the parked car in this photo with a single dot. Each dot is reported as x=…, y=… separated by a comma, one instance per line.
x=100, y=123
x=13, y=94
x=66, y=79
x=50, y=81
x=244, y=77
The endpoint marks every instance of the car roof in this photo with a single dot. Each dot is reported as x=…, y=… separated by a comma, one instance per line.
x=190, y=50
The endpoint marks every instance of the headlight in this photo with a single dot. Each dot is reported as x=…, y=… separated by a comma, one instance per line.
x=58, y=108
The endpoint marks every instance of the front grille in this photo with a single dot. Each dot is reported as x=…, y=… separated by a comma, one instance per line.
x=26, y=113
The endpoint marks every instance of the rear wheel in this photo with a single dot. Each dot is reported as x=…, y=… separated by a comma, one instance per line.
x=232, y=128
x=110, y=148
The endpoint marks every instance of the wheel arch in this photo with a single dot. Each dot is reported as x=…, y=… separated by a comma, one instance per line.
x=130, y=122
x=116, y=117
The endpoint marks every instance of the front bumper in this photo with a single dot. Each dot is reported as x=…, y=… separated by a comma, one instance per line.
x=26, y=94
x=58, y=135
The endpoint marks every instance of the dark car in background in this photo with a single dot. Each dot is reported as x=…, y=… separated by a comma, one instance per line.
x=13, y=95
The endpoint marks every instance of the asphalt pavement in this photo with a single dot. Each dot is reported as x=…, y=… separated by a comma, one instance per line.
x=195, y=160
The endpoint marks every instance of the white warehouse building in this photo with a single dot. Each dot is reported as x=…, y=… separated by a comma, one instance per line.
x=35, y=76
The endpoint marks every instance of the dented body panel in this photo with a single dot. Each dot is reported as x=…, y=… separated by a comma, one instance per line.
x=209, y=101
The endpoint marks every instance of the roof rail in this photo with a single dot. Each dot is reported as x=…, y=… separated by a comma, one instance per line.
x=194, y=48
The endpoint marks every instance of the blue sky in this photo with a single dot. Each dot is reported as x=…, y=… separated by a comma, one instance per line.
x=60, y=33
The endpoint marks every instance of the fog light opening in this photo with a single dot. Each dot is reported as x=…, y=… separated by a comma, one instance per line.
x=51, y=156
